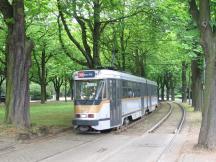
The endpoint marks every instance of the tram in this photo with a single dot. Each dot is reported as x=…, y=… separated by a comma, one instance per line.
x=105, y=99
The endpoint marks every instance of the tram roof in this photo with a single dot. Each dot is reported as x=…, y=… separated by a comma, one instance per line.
x=106, y=74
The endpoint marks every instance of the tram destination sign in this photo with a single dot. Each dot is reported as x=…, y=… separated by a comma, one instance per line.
x=86, y=74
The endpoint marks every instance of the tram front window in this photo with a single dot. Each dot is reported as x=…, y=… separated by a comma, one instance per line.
x=90, y=89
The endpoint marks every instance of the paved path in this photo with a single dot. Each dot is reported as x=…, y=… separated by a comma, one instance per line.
x=117, y=148
x=81, y=148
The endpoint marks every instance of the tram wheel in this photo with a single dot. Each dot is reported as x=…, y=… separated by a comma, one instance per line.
x=126, y=121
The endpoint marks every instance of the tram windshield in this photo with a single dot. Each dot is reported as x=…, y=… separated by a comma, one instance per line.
x=90, y=89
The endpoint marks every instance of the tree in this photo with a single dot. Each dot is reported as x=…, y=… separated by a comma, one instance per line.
x=92, y=57
x=18, y=58
x=197, y=81
x=42, y=27
x=2, y=72
x=91, y=18
x=60, y=71
x=204, y=15
x=42, y=71
x=57, y=83
x=184, y=82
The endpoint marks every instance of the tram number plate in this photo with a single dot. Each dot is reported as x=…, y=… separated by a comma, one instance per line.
x=86, y=74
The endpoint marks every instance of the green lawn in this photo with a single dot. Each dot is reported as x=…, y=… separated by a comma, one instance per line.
x=50, y=114
x=1, y=113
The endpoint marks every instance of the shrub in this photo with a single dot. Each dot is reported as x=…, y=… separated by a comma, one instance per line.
x=35, y=92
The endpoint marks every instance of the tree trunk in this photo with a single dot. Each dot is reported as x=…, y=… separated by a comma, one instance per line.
x=158, y=87
x=57, y=91
x=162, y=92
x=203, y=17
x=43, y=93
x=0, y=90
x=43, y=76
x=18, y=64
x=145, y=65
x=167, y=93
x=96, y=34
x=173, y=94
x=137, y=62
x=196, y=86
x=1, y=82
x=207, y=136
x=57, y=83
x=71, y=88
x=65, y=88
x=142, y=69
x=184, y=82
x=172, y=85
x=122, y=48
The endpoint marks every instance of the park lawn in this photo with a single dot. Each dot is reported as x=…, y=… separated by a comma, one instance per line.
x=58, y=114
x=52, y=114
x=1, y=113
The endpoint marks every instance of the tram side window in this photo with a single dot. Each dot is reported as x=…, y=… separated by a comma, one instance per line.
x=124, y=83
x=124, y=89
x=149, y=89
x=137, y=89
x=110, y=88
x=142, y=86
x=131, y=89
x=124, y=93
x=104, y=91
x=152, y=90
x=127, y=93
x=144, y=89
x=127, y=88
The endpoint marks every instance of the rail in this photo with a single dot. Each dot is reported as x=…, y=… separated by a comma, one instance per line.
x=162, y=120
x=179, y=127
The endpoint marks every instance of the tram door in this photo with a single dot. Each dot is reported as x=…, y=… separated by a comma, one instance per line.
x=115, y=102
x=150, y=95
x=142, y=98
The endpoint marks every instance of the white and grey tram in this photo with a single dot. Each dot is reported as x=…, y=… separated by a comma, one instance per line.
x=105, y=99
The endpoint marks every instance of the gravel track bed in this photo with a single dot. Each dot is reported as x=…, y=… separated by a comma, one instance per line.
x=172, y=122
x=149, y=122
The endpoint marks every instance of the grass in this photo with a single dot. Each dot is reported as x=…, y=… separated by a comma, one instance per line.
x=1, y=113
x=57, y=114
x=52, y=113
x=188, y=107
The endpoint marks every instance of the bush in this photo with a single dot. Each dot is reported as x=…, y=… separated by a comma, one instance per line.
x=35, y=92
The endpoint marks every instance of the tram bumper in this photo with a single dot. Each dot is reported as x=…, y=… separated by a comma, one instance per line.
x=85, y=122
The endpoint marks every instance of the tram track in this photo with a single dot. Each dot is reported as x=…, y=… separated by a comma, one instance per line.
x=172, y=123
x=166, y=123
x=148, y=122
x=175, y=131
x=163, y=115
